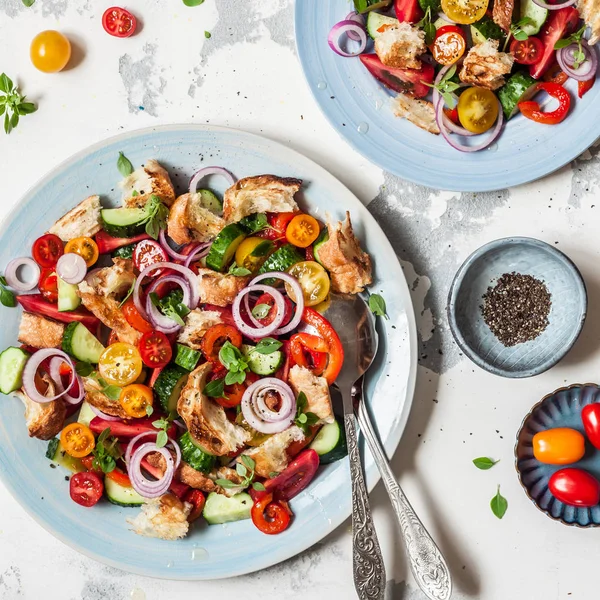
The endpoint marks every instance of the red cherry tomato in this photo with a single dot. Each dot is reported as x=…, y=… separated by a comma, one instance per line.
x=532, y=110
x=268, y=299
x=86, y=488
x=133, y=317
x=449, y=45
x=118, y=22
x=155, y=349
x=197, y=499
x=575, y=487
x=146, y=253
x=590, y=416
x=527, y=52
x=47, y=250
x=48, y=285
x=270, y=517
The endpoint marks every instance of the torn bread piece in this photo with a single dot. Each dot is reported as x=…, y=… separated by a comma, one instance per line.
x=150, y=180
x=190, y=221
x=81, y=221
x=419, y=112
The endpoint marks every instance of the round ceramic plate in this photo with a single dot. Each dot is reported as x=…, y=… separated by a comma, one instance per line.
x=358, y=106
x=220, y=550
x=562, y=408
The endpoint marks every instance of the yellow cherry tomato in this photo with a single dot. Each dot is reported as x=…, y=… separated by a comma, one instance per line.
x=313, y=280
x=252, y=253
x=302, y=231
x=323, y=306
x=559, y=446
x=86, y=248
x=465, y=11
x=50, y=51
x=77, y=440
x=478, y=109
x=135, y=399
x=120, y=364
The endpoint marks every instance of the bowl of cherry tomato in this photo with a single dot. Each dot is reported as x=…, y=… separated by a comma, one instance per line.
x=557, y=455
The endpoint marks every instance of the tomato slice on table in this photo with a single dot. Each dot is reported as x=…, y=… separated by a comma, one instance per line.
x=48, y=285
x=215, y=337
x=86, y=488
x=269, y=516
x=532, y=110
x=118, y=22
x=47, y=250
x=77, y=440
x=86, y=248
x=135, y=400
x=527, y=52
x=465, y=12
x=146, y=253
x=155, y=349
x=134, y=318
x=478, y=109
x=302, y=230
x=449, y=45
x=120, y=364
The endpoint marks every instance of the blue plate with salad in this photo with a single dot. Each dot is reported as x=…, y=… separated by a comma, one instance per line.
x=166, y=357
x=464, y=95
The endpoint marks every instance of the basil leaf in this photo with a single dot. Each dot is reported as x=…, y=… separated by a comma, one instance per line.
x=255, y=223
x=160, y=424
x=273, y=474
x=239, y=271
x=229, y=355
x=124, y=165
x=235, y=377
x=28, y=3
x=83, y=368
x=260, y=311
x=241, y=470
x=161, y=439
x=225, y=483
x=520, y=35
x=311, y=419
x=6, y=123
x=149, y=409
x=302, y=418
x=26, y=108
x=268, y=346
x=301, y=402
x=259, y=487
x=103, y=437
x=6, y=84
x=377, y=305
x=7, y=298
x=112, y=392
x=499, y=504
x=484, y=463
x=248, y=461
x=207, y=35
x=155, y=299
x=215, y=388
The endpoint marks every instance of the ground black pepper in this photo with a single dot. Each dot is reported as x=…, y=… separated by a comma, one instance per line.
x=516, y=309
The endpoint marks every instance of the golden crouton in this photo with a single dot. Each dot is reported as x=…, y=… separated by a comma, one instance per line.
x=399, y=46
x=316, y=390
x=218, y=288
x=189, y=221
x=165, y=518
x=150, y=180
x=81, y=221
x=419, y=112
x=40, y=332
x=485, y=67
x=196, y=324
x=503, y=12
x=590, y=13
x=97, y=399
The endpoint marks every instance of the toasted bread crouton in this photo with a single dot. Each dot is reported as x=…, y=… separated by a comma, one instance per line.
x=503, y=12
x=590, y=13
x=419, y=112
x=261, y=194
x=113, y=281
x=82, y=221
x=485, y=67
x=206, y=421
x=150, y=180
x=400, y=46
x=349, y=267
x=196, y=324
x=40, y=332
x=95, y=397
x=271, y=456
x=316, y=390
x=164, y=518
x=189, y=221
x=219, y=289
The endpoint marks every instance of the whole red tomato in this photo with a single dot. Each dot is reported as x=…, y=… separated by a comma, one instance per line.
x=575, y=487
x=590, y=416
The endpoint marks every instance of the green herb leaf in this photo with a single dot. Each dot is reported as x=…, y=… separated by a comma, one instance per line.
x=484, y=463
x=260, y=311
x=259, y=487
x=6, y=84
x=207, y=35
x=128, y=295
x=172, y=306
x=430, y=31
x=499, y=504
x=83, y=368
x=7, y=298
x=239, y=271
x=301, y=403
x=112, y=392
x=134, y=193
x=149, y=409
x=160, y=424
x=248, y=461
x=241, y=470
x=273, y=474
x=262, y=249
x=106, y=452
x=156, y=216
x=562, y=43
x=255, y=223
x=28, y=3
x=225, y=483
x=235, y=377
x=520, y=36
x=161, y=439
x=268, y=346
x=215, y=388
x=302, y=418
x=155, y=299
x=377, y=305
x=124, y=165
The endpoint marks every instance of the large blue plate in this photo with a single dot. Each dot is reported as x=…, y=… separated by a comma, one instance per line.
x=358, y=107
x=217, y=551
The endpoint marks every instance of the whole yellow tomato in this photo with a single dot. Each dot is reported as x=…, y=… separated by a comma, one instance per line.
x=50, y=51
x=559, y=446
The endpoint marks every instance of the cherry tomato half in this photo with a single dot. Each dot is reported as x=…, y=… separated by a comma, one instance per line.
x=270, y=317
x=478, y=109
x=86, y=248
x=77, y=440
x=313, y=280
x=527, y=52
x=234, y=394
x=270, y=517
x=575, y=487
x=48, y=285
x=133, y=317
x=47, y=250
x=118, y=22
x=449, y=45
x=197, y=499
x=278, y=223
x=155, y=349
x=465, y=12
x=559, y=446
x=120, y=364
x=253, y=252
x=50, y=51
x=86, y=488
x=119, y=477
x=146, y=253
x=302, y=231
x=135, y=400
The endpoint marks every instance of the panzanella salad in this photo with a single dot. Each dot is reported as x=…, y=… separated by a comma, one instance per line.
x=176, y=356
x=481, y=62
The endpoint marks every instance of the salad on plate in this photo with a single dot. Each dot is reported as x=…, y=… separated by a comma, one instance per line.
x=463, y=68
x=176, y=356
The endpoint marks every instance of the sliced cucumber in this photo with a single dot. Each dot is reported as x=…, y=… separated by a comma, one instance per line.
x=168, y=386
x=80, y=343
x=186, y=357
x=123, y=222
x=223, y=249
x=86, y=414
x=67, y=296
x=376, y=20
x=537, y=15
x=124, y=251
x=210, y=201
x=438, y=23
x=520, y=87
x=263, y=364
x=281, y=260
x=330, y=442
x=323, y=237
x=56, y=453
x=12, y=364
x=221, y=509
x=485, y=30
x=194, y=455
x=122, y=495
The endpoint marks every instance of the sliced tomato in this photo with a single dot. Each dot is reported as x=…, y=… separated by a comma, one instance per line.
x=134, y=318
x=302, y=230
x=527, y=52
x=215, y=337
x=77, y=440
x=149, y=252
x=531, y=109
x=86, y=488
x=135, y=400
x=268, y=299
x=85, y=247
x=583, y=87
x=48, y=285
x=452, y=114
x=449, y=45
x=154, y=376
x=155, y=349
x=269, y=516
x=177, y=487
x=327, y=332
x=408, y=11
x=122, y=429
x=197, y=499
x=47, y=250
x=119, y=477
x=118, y=22
x=296, y=447
x=107, y=243
x=404, y=81
x=36, y=303
x=316, y=347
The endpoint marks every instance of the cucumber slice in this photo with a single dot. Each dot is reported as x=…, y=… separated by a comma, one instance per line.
x=485, y=30
x=123, y=222
x=186, y=357
x=263, y=364
x=281, y=260
x=67, y=296
x=194, y=455
x=376, y=20
x=122, y=495
x=223, y=249
x=86, y=414
x=168, y=386
x=124, y=252
x=438, y=23
x=330, y=442
x=537, y=14
x=80, y=343
x=12, y=364
x=221, y=509
x=56, y=453
x=323, y=237
x=520, y=87
x=210, y=201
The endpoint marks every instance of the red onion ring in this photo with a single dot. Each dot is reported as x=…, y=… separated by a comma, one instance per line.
x=437, y=97
x=200, y=252
x=102, y=415
x=31, y=367
x=71, y=268
x=586, y=70
x=205, y=172
x=257, y=413
x=160, y=321
x=168, y=249
x=359, y=20
x=55, y=364
x=143, y=486
x=141, y=436
x=344, y=27
x=13, y=279
x=269, y=290
x=261, y=330
x=554, y=6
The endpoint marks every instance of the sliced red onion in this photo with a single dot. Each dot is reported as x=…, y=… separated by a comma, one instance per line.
x=450, y=124
x=202, y=173
x=168, y=249
x=295, y=321
x=103, y=415
x=200, y=252
x=55, y=364
x=71, y=268
x=31, y=367
x=345, y=27
x=257, y=413
x=160, y=321
x=141, y=436
x=12, y=276
x=359, y=20
x=554, y=6
x=586, y=70
x=269, y=290
x=261, y=330
x=442, y=15
x=140, y=483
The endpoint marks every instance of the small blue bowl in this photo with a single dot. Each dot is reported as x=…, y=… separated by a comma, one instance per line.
x=528, y=257
x=562, y=408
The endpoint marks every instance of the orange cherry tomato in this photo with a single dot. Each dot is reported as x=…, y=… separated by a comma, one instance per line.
x=50, y=51
x=449, y=45
x=559, y=446
x=77, y=440
x=135, y=400
x=302, y=230
x=133, y=317
x=86, y=248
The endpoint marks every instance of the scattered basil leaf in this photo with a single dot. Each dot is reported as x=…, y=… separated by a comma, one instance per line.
x=52, y=448
x=259, y=487
x=377, y=305
x=499, y=504
x=260, y=311
x=172, y=306
x=241, y=470
x=238, y=271
x=235, y=377
x=484, y=463
x=302, y=418
x=12, y=104
x=207, y=35
x=106, y=452
x=268, y=346
x=273, y=474
x=7, y=298
x=193, y=2
x=83, y=368
x=156, y=216
x=215, y=388
x=255, y=223
x=28, y=3
x=149, y=409
x=161, y=439
x=428, y=27
x=124, y=165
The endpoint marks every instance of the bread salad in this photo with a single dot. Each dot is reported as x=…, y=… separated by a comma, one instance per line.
x=176, y=356
x=463, y=68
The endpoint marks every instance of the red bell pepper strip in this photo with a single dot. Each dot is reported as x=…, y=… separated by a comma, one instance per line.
x=270, y=516
x=335, y=349
x=583, y=87
x=408, y=11
x=531, y=109
x=197, y=499
x=316, y=346
x=107, y=243
x=35, y=303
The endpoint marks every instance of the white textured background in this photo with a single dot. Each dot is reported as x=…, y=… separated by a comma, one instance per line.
x=247, y=76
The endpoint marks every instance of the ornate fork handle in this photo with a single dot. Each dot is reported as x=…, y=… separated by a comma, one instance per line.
x=426, y=561
x=369, y=570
